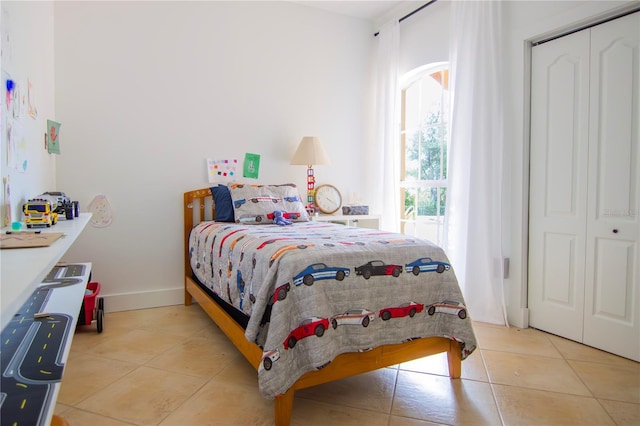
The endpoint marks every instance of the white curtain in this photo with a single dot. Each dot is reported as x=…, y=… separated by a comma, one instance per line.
x=473, y=234
x=386, y=173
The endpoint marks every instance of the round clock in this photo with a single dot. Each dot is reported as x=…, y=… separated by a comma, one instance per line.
x=328, y=199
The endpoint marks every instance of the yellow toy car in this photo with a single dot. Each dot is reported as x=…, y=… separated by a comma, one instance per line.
x=39, y=212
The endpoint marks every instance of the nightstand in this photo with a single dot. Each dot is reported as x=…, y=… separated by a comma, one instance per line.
x=371, y=221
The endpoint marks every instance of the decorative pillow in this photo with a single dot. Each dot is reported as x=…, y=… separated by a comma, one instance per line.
x=255, y=204
x=222, y=203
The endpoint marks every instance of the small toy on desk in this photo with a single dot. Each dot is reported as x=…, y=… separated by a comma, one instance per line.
x=62, y=204
x=279, y=219
x=39, y=212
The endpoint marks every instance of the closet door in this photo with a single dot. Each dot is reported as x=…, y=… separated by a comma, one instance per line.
x=612, y=302
x=584, y=214
x=558, y=184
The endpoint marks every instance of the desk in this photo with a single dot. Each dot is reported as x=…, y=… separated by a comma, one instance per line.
x=34, y=349
x=371, y=221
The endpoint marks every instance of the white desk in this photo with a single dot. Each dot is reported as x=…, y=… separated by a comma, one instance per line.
x=362, y=220
x=24, y=269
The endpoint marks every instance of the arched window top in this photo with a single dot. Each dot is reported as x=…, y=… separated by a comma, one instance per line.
x=429, y=69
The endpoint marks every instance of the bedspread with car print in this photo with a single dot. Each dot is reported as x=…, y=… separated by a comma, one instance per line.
x=315, y=290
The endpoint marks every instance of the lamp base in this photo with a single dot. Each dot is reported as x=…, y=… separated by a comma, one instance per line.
x=311, y=182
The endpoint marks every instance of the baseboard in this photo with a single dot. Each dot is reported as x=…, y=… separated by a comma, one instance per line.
x=143, y=300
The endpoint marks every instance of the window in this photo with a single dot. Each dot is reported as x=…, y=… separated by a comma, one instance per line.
x=424, y=141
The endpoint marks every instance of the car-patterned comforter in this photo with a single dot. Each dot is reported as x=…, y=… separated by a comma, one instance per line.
x=315, y=290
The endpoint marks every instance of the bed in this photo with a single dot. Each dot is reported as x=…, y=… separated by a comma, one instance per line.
x=312, y=302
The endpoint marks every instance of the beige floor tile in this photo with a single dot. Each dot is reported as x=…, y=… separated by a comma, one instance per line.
x=85, y=339
x=472, y=367
x=60, y=409
x=178, y=319
x=77, y=417
x=442, y=400
x=86, y=374
x=144, y=397
x=404, y=421
x=533, y=372
x=370, y=391
x=239, y=371
x=211, y=331
x=579, y=352
x=623, y=413
x=314, y=413
x=614, y=382
x=521, y=406
x=222, y=402
x=197, y=357
x=136, y=345
x=517, y=340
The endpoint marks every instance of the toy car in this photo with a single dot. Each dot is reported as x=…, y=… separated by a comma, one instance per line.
x=61, y=204
x=39, y=212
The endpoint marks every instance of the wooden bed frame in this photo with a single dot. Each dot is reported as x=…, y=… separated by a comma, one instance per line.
x=198, y=207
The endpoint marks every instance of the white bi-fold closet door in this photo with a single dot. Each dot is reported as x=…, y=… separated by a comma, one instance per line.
x=584, y=199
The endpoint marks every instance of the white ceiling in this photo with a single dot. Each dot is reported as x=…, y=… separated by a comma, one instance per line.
x=368, y=10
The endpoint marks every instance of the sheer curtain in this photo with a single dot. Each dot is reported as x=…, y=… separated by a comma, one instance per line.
x=387, y=174
x=473, y=234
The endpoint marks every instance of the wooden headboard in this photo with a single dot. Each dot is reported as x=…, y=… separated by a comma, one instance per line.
x=198, y=206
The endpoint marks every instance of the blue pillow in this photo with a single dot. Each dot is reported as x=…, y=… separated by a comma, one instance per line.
x=222, y=203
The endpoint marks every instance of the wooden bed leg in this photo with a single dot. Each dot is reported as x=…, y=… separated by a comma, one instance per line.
x=454, y=357
x=283, y=406
x=187, y=298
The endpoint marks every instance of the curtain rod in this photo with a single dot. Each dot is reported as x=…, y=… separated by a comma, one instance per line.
x=408, y=15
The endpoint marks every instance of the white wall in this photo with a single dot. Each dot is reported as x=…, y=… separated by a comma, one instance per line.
x=424, y=37
x=27, y=55
x=148, y=90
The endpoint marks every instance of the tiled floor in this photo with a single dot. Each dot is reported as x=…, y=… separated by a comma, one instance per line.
x=173, y=366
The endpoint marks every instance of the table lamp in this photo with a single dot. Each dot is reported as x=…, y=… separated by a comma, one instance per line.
x=310, y=152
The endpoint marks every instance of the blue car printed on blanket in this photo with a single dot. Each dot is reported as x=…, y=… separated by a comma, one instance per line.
x=426, y=264
x=320, y=271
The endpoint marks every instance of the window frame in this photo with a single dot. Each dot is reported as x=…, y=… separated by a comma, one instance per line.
x=405, y=185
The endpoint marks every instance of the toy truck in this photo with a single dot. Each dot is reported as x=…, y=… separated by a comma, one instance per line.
x=39, y=212
x=61, y=204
